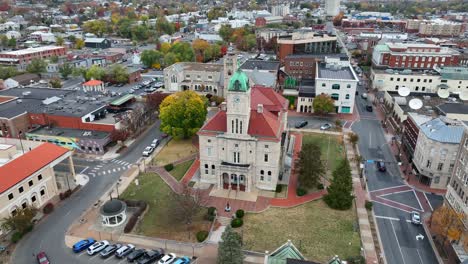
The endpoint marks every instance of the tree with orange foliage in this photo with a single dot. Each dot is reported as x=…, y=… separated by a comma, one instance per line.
x=447, y=223
x=337, y=19
x=200, y=46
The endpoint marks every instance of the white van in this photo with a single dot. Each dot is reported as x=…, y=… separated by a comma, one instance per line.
x=98, y=246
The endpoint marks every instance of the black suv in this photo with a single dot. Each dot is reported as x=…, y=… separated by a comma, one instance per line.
x=301, y=124
x=381, y=166
x=136, y=255
x=151, y=256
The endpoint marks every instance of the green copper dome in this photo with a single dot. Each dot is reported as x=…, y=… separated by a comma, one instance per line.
x=239, y=82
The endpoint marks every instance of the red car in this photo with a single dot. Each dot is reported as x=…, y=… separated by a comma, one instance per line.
x=42, y=258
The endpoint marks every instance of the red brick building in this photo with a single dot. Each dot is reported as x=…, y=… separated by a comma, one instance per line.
x=306, y=42
x=414, y=56
x=411, y=131
x=302, y=66
x=24, y=56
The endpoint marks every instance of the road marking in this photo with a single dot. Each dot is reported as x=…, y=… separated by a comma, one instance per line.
x=109, y=258
x=389, y=188
x=113, y=160
x=391, y=206
x=109, y=171
x=83, y=170
x=93, y=170
x=93, y=174
x=417, y=250
x=114, y=170
x=103, y=173
x=118, y=169
x=95, y=255
x=398, y=243
x=128, y=166
x=419, y=202
x=402, y=204
x=122, y=261
x=391, y=218
x=385, y=194
x=428, y=202
x=82, y=253
x=99, y=166
x=68, y=213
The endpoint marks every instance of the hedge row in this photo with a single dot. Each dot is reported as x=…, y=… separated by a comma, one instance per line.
x=134, y=218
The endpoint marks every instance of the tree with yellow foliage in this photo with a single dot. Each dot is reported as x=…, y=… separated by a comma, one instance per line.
x=182, y=114
x=447, y=223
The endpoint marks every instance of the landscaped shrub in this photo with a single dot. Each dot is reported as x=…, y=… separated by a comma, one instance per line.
x=202, y=235
x=169, y=167
x=320, y=186
x=237, y=222
x=368, y=205
x=301, y=192
x=240, y=213
x=211, y=210
x=279, y=188
x=130, y=224
x=16, y=237
x=48, y=208
x=356, y=260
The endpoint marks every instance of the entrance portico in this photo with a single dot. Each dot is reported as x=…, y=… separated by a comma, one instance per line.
x=235, y=177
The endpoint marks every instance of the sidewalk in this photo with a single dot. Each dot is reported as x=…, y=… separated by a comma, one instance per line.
x=367, y=238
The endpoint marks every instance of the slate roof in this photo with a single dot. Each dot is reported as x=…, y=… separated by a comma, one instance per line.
x=25, y=165
x=440, y=130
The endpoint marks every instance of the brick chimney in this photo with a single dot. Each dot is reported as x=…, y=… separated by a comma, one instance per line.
x=260, y=108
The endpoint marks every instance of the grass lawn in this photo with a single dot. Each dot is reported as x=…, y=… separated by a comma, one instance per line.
x=180, y=169
x=316, y=230
x=175, y=150
x=157, y=221
x=332, y=148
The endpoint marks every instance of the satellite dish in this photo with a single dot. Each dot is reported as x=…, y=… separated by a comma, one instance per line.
x=443, y=93
x=415, y=104
x=464, y=96
x=404, y=91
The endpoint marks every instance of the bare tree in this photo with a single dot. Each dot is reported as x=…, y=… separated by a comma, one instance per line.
x=188, y=203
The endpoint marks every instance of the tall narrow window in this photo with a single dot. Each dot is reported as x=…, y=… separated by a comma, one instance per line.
x=237, y=126
x=235, y=157
x=240, y=130
x=238, y=157
x=266, y=158
x=232, y=127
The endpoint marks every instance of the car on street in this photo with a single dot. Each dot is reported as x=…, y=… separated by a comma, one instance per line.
x=167, y=259
x=124, y=251
x=415, y=218
x=83, y=244
x=381, y=166
x=42, y=258
x=147, y=152
x=158, y=85
x=151, y=256
x=325, y=126
x=155, y=143
x=110, y=250
x=182, y=260
x=136, y=254
x=301, y=124
x=369, y=108
x=97, y=247
x=364, y=96
x=131, y=91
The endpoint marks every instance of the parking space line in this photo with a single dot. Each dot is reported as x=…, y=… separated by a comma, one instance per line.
x=82, y=253
x=83, y=170
x=122, y=261
x=109, y=258
x=95, y=255
x=398, y=243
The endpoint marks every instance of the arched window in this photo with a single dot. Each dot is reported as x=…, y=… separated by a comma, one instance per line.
x=335, y=86
x=347, y=96
x=262, y=172
x=335, y=96
x=269, y=173
x=212, y=167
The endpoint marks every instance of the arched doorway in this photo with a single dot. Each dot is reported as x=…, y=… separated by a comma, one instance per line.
x=234, y=181
x=225, y=181
x=242, y=182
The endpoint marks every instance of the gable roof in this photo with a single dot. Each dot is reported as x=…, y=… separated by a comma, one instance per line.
x=271, y=100
x=25, y=165
x=283, y=253
x=92, y=83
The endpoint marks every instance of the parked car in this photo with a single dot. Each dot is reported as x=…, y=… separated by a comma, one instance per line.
x=136, y=254
x=167, y=259
x=110, y=250
x=381, y=166
x=42, y=258
x=97, y=247
x=369, y=108
x=415, y=218
x=124, y=251
x=364, y=96
x=325, y=126
x=120, y=84
x=155, y=143
x=301, y=124
x=158, y=85
x=151, y=256
x=147, y=152
x=83, y=244
x=182, y=260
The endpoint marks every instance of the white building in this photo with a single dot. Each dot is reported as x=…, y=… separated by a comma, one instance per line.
x=13, y=34
x=280, y=10
x=337, y=79
x=436, y=151
x=9, y=26
x=241, y=146
x=332, y=7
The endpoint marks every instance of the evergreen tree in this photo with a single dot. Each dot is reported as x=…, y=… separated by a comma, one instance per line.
x=310, y=165
x=230, y=249
x=339, y=192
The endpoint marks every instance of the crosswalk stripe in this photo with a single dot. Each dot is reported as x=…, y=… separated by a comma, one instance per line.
x=113, y=170
x=103, y=173
x=109, y=171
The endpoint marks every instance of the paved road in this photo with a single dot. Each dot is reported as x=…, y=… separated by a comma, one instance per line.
x=49, y=235
x=392, y=206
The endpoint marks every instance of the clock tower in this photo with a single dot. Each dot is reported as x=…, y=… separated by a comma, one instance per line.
x=238, y=104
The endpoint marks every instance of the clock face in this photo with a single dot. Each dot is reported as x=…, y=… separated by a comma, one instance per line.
x=236, y=99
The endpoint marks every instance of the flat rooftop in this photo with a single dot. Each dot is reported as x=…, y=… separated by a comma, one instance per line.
x=342, y=56
x=330, y=71
x=30, y=50
x=260, y=65
x=195, y=66
x=70, y=133
x=430, y=102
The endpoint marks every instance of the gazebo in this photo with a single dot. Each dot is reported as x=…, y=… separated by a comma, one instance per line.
x=113, y=213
